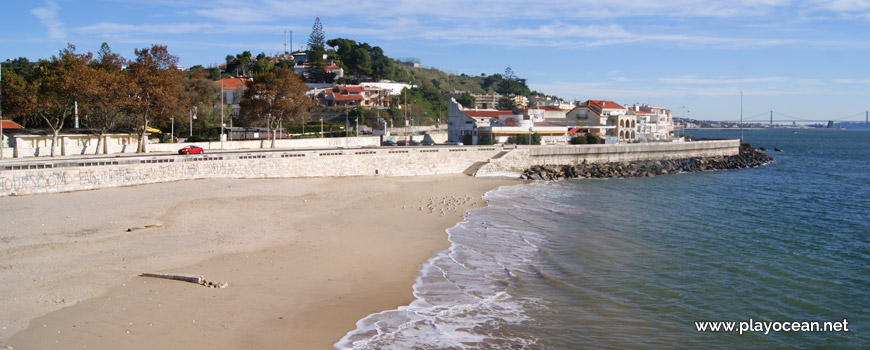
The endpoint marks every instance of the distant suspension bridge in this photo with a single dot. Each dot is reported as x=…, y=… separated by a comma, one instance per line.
x=772, y=117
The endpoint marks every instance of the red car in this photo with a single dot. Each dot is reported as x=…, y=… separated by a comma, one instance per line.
x=192, y=149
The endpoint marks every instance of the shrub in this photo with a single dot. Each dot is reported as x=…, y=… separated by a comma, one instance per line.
x=592, y=139
x=578, y=140
x=466, y=139
x=486, y=139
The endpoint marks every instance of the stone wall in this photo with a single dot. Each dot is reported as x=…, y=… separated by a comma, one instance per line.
x=513, y=163
x=71, y=174
x=66, y=147
x=85, y=174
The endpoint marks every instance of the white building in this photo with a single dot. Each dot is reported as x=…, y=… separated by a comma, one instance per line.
x=654, y=123
x=470, y=126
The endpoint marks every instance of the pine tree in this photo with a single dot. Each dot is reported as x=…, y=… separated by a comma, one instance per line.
x=316, y=50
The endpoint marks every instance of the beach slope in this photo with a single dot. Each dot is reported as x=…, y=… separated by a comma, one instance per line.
x=304, y=260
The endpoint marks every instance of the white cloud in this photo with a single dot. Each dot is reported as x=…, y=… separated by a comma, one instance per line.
x=692, y=80
x=507, y=23
x=49, y=16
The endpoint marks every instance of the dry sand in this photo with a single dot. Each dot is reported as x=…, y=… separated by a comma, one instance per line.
x=304, y=259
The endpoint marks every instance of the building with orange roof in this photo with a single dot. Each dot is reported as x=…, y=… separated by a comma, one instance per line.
x=475, y=126
x=352, y=95
x=8, y=124
x=232, y=90
x=605, y=118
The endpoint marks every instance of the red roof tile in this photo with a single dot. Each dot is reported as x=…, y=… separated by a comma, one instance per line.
x=231, y=83
x=8, y=124
x=351, y=88
x=602, y=104
x=487, y=114
x=340, y=97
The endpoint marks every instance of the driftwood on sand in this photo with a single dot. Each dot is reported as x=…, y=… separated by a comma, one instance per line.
x=141, y=228
x=188, y=278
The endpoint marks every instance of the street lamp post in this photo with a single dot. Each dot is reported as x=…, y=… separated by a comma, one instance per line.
x=172, y=131
x=192, y=117
x=321, y=127
x=222, y=116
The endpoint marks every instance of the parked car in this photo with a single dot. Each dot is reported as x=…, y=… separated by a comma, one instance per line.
x=456, y=143
x=388, y=143
x=413, y=143
x=402, y=143
x=192, y=149
x=427, y=143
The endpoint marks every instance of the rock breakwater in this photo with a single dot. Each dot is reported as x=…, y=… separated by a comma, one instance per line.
x=748, y=157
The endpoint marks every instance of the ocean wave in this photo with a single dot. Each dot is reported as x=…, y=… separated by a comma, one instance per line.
x=463, y=294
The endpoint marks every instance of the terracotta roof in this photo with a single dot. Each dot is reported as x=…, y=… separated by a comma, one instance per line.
x=8, y=124
x=351, y=88
x=602, y=104
x=340, y=97
x=231, y=83
x=487, y=114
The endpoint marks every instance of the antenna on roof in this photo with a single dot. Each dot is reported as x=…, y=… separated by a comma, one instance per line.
x=285, y=41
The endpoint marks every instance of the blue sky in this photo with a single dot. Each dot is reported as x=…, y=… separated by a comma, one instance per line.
x=802, y=59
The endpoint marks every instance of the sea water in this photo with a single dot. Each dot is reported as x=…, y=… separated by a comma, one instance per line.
x=637, y=263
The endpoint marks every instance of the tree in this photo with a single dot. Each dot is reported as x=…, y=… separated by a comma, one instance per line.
x=466, y=100
x=511, y=84
x=262, y=64
x=316, y=49
x=108, y=60
x=58, y=83
x=158, y=89
x=203, y=95
x=276, y=96
x=358, y=113
x=105, y=104
x=506, y=103
x=243, y=59
x=382, y=66
x=19, y=96
x=21, y=66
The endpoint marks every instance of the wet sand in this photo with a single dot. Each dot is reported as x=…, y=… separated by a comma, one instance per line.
x=304, y=259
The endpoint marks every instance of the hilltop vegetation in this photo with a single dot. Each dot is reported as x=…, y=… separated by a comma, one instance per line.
x=87, y=79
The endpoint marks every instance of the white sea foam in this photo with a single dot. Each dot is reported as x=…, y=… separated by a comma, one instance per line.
x=463, y=294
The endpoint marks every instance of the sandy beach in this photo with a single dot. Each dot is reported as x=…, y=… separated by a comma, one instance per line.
x=304, y=259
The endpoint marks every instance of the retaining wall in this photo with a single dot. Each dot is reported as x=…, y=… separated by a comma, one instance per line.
x=66, y=147
x=75, y=175
x=71, y=174
x=514, y=162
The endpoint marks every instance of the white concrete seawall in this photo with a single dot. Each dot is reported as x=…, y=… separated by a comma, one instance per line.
x=50, y=176
x=514, y=162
